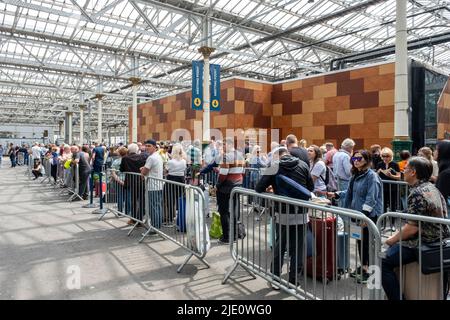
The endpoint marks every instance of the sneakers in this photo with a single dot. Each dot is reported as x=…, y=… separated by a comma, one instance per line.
x=223, y=240
x=275, y=287
x=356, y=272
x=362, y=279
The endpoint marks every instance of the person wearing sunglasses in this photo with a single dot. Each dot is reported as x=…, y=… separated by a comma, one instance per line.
x=364, y=195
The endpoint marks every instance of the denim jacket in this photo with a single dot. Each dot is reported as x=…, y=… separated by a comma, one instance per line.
x=367, y=194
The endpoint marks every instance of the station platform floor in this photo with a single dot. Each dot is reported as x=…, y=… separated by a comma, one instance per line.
x=46, y=241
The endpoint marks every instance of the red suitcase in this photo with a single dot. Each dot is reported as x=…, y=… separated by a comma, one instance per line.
x=324, y=260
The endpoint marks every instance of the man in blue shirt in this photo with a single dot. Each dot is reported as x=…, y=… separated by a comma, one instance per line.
x=341, y=164
x=98, y=157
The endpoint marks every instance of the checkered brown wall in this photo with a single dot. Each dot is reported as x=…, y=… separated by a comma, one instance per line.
x=443, y=112
x=356, y=103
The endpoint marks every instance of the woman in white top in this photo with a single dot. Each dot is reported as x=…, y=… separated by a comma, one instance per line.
x=173, y=194
x=428, y=154
x=318, y=170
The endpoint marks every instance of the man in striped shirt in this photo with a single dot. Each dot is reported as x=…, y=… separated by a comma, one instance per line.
x=231, y=171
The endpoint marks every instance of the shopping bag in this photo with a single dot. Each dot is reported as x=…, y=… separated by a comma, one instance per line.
x=197, y=233
x=215, y=231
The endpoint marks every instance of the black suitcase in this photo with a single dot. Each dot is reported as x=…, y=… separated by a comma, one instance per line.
x=431, y=256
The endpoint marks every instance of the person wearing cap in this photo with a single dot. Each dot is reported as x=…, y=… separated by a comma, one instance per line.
x=153, y=169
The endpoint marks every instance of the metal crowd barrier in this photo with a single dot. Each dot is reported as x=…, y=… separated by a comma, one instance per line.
x=30, y=167
x=71, y=183
x=20, y=158
x=395, y=199
x=125, y=196
x=422, y=275
x=251, y=177
x=173, y=210
x=324, y=249
x=395, y=195
x=177, y=212
x=46, y=163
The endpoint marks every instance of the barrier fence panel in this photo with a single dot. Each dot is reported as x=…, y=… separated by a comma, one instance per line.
x=177, y=212
x=251, y=177
x=125, y=196
x=75, y=189
x=20, y=158
x=416, y=268
x=30, y=167
x=395, y=199
x=323, y=243
x=47, y=168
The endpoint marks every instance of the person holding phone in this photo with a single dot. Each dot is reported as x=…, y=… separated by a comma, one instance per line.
x=389, y=170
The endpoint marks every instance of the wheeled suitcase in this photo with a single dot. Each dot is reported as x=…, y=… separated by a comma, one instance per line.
x=430, y=288
x=343, y=252
x=322, y=265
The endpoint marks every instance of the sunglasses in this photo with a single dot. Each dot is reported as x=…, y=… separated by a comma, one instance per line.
x=357, y=159
x=385, y=156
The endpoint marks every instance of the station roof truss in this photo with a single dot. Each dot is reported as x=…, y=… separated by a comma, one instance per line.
x=54, y=51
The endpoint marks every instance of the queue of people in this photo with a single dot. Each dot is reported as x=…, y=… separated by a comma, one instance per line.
x=358, y=177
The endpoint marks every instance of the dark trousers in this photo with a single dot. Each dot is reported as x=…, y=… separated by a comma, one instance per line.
x=223, y=203
x=13, y=161
x=36, y=173
x=171, y=194
x=53, y=171
x=291, y=236
x=389, y=279
x=83, y=186
x=363, y=245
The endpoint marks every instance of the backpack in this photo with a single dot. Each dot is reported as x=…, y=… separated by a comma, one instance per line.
x=330, y=180
x=290, y=188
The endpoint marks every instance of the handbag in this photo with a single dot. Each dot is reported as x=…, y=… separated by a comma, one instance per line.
x=430, y=254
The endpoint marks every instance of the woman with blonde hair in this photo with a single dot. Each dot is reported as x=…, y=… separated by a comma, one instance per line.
x=427, y=153
x=303, y=143
x=389, y=170
x=176, y=171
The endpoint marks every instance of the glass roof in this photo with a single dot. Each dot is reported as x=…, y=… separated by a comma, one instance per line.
x=53, y=50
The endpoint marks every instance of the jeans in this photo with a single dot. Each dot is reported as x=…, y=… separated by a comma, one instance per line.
x=363, y=244
x=295, y=233
x=389, y=279
x=155, y=203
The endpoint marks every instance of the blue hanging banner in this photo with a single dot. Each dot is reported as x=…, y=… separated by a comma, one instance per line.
x=197, y=85
x=214, y=71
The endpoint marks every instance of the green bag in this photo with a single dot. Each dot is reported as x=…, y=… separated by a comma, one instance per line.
x=215, y=231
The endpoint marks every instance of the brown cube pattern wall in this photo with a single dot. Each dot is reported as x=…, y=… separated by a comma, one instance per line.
x=443, y=112
x=244, y=104
x=356, y=103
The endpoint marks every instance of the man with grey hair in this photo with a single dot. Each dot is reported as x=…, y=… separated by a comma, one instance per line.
x=341, y=164
x=295, y=150
x=134, y=185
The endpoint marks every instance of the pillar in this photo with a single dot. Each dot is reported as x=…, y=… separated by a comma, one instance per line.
x=100, y=117
x=402, y=139
x=82, y=107
x=206, y=52
x=134, y=121
x=61, y=129
x=68, y=129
